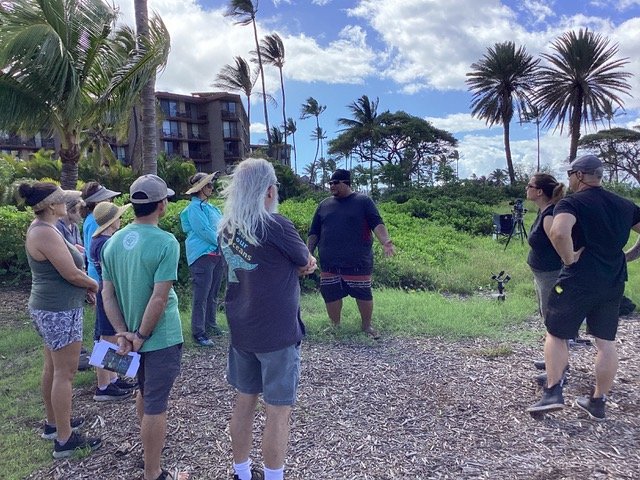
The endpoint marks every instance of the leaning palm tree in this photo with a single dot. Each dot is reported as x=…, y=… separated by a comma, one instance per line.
x=581, y=76
x=364, y=126
x=238, y=77
x=291, y=127
x=64, y=67
x=504, y=76
x=272, y=50
x=245, y=12
x=313, y=109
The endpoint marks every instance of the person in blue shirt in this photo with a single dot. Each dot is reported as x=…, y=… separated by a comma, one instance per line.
x=200, y=222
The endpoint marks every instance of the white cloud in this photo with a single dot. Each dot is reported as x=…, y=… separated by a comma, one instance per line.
x=538, y=9
x=321, y=3
x=346, y=60
x=458, y=123
x=258, y=128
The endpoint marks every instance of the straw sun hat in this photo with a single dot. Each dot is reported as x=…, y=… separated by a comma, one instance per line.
x=105, y=214
x=200, y=180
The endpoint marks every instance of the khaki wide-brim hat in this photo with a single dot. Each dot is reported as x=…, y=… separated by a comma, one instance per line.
x=105, y=214
x=202, y=182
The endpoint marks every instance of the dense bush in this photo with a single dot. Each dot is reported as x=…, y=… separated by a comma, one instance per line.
x=13, y=230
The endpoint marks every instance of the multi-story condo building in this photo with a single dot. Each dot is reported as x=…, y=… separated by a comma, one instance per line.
x=210, y=128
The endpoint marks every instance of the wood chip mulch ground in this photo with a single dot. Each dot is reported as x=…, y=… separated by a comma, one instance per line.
x=414, y=408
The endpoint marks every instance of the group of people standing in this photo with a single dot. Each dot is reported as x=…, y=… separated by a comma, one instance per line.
x=580, y=269
x=262, y=255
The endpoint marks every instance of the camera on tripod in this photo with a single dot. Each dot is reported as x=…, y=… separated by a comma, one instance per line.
x=518, y=209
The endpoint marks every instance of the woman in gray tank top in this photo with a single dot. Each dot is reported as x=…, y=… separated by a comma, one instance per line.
x=59, y=286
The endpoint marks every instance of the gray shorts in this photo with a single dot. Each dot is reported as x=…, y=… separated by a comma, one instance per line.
x=544, y=283
x=58, y=329
x=274, y=374
x=158, y=370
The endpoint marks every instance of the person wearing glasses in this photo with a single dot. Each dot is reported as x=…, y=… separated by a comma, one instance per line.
x=200, y=222
x=341, y=229
x=589, y=231
x=545, y=191
x=265, y=256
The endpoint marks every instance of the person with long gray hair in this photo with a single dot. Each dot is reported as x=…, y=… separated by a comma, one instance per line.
x=265, y=256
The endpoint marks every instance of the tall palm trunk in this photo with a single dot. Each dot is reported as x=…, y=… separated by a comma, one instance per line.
x=576, y=120
x=284, y=116
x=264, y=91
x=507, y=151
x=147, y=97
x=69, y=157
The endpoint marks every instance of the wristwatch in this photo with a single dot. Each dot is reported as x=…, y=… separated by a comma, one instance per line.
x=140, y=336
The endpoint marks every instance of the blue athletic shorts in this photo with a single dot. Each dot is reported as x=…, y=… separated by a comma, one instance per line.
x=274, y=374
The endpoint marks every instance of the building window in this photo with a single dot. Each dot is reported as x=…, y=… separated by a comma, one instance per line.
x=194, y=131
x=231, y=149
x=169, y=107
x=170, y=128
x=121, y=153
x=172, y=148
x=230, y=129
x=229, y=107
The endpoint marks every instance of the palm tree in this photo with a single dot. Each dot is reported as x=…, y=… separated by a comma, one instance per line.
x=64, y=69
x=313, y=109
x=291, y=127
x=503, y=76
x=238, y=77
x=498, y=177
x=147, y=96
x=273, y=54
x=245, y=12
x=364, y=125
x=581, y=76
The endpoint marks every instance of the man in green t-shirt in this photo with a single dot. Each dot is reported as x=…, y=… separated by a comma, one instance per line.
x=139, y=266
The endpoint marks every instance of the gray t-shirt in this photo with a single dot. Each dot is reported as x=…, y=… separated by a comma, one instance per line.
x=343, y=227
x=262, y=303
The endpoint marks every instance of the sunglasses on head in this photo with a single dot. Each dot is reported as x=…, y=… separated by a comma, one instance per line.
x=335, y=182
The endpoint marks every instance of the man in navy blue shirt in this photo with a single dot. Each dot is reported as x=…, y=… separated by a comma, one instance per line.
x=341, y=229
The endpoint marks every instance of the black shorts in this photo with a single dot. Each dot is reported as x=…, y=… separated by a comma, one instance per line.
x=158, y=370
x=570, y=306
x=335, y=286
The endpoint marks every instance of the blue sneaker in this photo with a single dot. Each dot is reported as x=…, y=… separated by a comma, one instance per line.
x=51, y=433
x=203, y=341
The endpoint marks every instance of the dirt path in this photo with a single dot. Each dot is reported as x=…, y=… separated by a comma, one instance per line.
x=416, y=408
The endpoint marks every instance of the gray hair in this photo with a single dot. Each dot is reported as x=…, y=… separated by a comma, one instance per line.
x=244, y=208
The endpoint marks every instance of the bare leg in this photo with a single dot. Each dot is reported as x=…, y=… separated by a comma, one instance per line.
x=556, y=357
x=45, y=386
x=241, y=426
x=65, y=365
x=606, y=366
x=276, y=436
x=154, y=431
x=334, y=310
x=366, y=312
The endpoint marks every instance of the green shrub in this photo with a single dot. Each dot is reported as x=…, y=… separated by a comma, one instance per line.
x=13, y=231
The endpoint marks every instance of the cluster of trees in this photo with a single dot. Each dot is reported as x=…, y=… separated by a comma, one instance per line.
x=579, y=84
x=66, y=68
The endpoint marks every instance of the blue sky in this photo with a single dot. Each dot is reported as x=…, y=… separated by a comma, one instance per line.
x=411, y=54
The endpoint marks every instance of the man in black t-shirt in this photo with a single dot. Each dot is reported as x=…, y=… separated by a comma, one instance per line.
x=341, y=229
x=590, y=228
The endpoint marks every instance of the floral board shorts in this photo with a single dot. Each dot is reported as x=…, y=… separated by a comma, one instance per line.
x=58, y=329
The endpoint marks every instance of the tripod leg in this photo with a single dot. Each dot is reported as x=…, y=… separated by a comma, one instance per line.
x=510, y=235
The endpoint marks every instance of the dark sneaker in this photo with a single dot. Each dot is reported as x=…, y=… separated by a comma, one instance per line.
x=83, y=362
x=124, y=384
x=551, y=400
x=215, y=331
x=51, y=433
x=593, y=406
x=540, y=365
x=203, y=341
x=111, y=394
x=256, y=474
x=75, y=442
